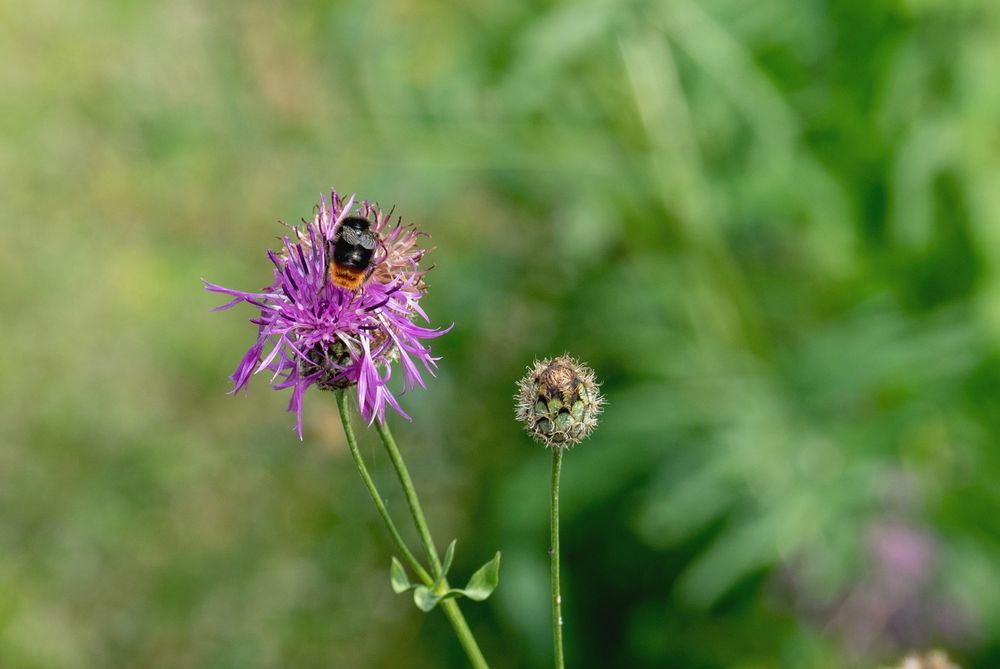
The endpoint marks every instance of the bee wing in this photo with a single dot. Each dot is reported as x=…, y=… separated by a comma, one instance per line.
x=365, y=239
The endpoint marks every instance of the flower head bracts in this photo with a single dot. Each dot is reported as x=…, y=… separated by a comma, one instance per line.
x=314, y=333
x=559, y=401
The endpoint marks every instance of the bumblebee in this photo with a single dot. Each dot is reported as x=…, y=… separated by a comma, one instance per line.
x=351, y=254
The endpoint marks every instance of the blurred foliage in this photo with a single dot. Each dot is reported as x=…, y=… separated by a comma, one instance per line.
x=771, y=227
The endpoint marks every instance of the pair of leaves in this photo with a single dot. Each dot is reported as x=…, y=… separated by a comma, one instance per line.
x=480, y=586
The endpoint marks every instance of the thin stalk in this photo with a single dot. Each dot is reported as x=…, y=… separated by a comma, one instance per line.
x=352, y=444
x=464, y=634
x=450, y=606
x=411, y=497
x=554, y=557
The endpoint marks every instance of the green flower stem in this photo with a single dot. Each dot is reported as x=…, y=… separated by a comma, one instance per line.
x=411, y=497
x=464, y=634
x=449, y=606
x=352, y=443
x=554, y=557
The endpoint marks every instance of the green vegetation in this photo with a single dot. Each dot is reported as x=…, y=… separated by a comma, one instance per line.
x=772, y=228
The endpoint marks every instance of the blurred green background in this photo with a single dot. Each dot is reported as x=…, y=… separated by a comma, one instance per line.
x=773, y=228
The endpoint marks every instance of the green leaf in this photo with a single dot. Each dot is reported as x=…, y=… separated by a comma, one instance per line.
x=397, y=575
x=484, y=581
x=449, y=555
x=424, y=598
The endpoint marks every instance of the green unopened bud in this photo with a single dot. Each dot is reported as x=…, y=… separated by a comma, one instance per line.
x=558, y=401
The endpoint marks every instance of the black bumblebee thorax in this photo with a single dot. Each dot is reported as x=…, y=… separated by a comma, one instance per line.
x=351, y=252
x=354, y=244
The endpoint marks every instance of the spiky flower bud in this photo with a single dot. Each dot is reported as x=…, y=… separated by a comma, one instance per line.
x=933, y=660
x=558, y=401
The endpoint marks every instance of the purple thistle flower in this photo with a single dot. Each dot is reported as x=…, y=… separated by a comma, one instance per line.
x=311, y=332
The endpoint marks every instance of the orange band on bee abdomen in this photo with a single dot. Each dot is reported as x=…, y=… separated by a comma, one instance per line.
x=346, y=277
